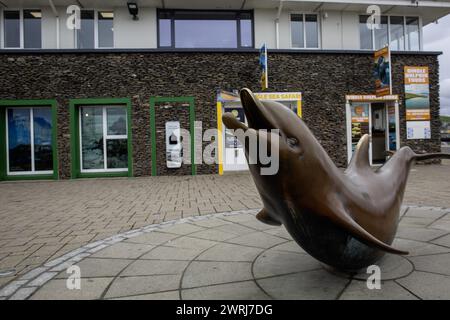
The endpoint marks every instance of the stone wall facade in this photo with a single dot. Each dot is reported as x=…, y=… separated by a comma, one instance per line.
x=324, y=78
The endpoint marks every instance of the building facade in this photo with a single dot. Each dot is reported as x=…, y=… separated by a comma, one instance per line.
x=102, y=98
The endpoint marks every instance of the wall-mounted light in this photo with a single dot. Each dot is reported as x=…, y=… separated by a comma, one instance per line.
x=133, y=9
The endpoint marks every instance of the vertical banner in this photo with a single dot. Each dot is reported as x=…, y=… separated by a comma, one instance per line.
x=263, y=64
x=382, y=72
x=417, y=102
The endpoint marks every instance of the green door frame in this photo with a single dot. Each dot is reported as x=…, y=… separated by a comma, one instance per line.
x=190, y=100
x=27, y=103
x=75, y=137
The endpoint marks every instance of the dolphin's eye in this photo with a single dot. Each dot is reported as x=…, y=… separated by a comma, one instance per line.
x=292, y=142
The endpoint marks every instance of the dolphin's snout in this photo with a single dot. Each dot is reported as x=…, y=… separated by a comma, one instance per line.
x=254, y=111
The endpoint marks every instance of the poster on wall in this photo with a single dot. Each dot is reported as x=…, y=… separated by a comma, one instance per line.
x=360, y=122
x=418, y=130
x=382, y=72
x=231, y=141
x=417, y=102
x=263, y=65
x=417, y=93
x=173, y=145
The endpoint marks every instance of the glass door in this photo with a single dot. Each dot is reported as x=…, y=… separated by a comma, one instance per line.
x=29, y=140
x=234, y=155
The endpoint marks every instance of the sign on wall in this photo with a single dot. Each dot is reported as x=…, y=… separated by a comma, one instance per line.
x=263, y=65
x=417, y=102
x=173, y=144
x=382, y=72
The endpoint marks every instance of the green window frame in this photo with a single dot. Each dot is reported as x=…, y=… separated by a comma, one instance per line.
x=4, y=104
x=74, y=108
x=190, y=101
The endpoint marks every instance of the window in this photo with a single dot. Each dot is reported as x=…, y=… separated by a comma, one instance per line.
x=304, y=31
x=402, y=33
x=412, y=33
x=381, y=34
x=29, y=140
x=22, y=29
x=205, y=29
x=96, y=30
x=397, y=33
x=365, y=34
x=105, y=29
x=103, y=138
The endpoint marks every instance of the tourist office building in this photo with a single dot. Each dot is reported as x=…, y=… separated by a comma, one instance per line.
x=103, y=90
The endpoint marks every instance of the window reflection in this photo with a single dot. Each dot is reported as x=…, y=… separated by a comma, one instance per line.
x=412, y=33
x=11, y=22
x=85, y=35
x=32, y=29
x=397, y=33
x=105, y=29
x=365, y=34
x=381, y=34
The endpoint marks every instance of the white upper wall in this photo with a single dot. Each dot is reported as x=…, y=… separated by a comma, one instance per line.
x=338, y=28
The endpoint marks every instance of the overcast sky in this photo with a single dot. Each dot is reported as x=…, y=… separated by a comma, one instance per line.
x=437, y=38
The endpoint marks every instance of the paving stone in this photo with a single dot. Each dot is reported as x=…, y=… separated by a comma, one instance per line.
x=290, y=246
x=258, y=225
x=23, y=293
x=154, y=238
x=424, y=213
x=41, y=279
x=274, y=262
x=391, y=267
x=91, y=288
x=416, y=221
x=123, y=250
x=427, y=285
x=420, y=234
x=279, y=232
x=213, y=234
x=154, y=267
x=438, y=263
x=246, y=290
x=239, y=218
x=230, y=252
x=210, y=223
x=184, y=228
x=357, y=290
x=444, y=241
x=98, y=267
x=257, y=239
x=311, y=285
x=172, y=253
x=235, y=229
x=126, y=286
x=11, y=288
x=441, y=224
x=416, y=248
x=215, y=273
x=168, y=295
x=191, y=243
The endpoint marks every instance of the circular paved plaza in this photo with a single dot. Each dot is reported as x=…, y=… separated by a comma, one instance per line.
x=234, y=256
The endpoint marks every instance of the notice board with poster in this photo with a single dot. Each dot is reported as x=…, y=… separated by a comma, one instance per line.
x=382, y=72
x=417, y=102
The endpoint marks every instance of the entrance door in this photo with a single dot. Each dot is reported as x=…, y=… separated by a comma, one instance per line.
x=379, y=120
x=378, y=132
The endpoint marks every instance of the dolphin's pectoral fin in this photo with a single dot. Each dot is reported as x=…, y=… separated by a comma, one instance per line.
x=360, y=157
x=264, y=217
x=342, y=218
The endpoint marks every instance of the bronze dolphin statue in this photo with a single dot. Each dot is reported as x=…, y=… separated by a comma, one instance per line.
x=345, y=219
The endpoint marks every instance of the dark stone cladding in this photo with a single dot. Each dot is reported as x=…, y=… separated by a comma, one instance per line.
x=323, y=78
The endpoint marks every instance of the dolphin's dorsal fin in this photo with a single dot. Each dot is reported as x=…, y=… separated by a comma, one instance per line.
x=340, y=216
x=264, y=217
x=360, y=158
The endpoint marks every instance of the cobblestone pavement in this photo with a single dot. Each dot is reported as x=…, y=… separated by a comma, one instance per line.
x=234, y=256
x=41, y=221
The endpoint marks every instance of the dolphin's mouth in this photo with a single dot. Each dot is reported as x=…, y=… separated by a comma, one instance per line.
x=254, y=113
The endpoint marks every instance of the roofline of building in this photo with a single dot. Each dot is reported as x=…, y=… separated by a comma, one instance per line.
x=285, y=51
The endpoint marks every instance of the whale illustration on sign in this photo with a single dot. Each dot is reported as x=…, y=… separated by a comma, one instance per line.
x=345, y=219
